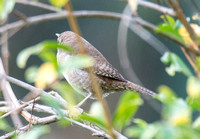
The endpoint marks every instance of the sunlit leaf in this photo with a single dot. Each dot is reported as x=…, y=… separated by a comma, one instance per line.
x=79, y=61
x=194, y=103
x=166, y=95
x=68, y=93
x=96, y=111
x=55, y=104
x=196, y=123
x=49, y=56
x=175, y=64
x=6, y=6
x=63, y=122
x=150, y=131
x=40, y=48
x=35, y=132
x=186, y=36
x=179, y=113
x=46, y=75
x=26, y=53
x=193, y=87
x=170, y=28
x=133, y=132
x=58, y=3
x=93, y=120
x=31, y=74
x=168, y=20
x=140, y=122
x=170, y=32
x=127, y=107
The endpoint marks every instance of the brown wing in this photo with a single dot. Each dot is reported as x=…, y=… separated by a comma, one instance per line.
x=102, y=67
x=107, y=70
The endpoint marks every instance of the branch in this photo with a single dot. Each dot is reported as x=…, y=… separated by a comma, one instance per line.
x=162, y=9
x=179, y=13
x=95, y=86
x=4, y=50
x=150, y=5
x=50, y=119
x=10, y=97
x=62, y=15
x=100, y=14
x=39, y=5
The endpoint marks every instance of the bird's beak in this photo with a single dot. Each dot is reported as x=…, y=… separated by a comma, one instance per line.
x=57, y=34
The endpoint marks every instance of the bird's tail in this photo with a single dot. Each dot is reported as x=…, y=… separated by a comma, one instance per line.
x=140, y=89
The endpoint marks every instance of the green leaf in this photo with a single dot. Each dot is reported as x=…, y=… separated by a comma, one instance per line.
x=43, y=47
x=133, y=132
x=50, y=101
x=140, y=122
x=198, y=63
x=68, y=93
x=35, y=132
x=193, y=87
x=127, y=107
x=6, y=6
x=49, y=56
x=31, y=74
x=59, y=3
x=170, y=28
x=166, y=95
x=169, y=31
x=168, y=20
x=196, y=123
x=5, y=126
x=25, y=54
x=179, y=113
x=96, y=111
x=150, y=131
x=78, y=61
x=175, y=64
x=95, y=121
x=194, y=103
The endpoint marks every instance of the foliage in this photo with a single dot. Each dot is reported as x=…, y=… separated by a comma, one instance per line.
x=6, y=6
x=35, y=132
x=178, y=116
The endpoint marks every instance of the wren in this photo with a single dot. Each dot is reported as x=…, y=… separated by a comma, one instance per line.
x=108, y=78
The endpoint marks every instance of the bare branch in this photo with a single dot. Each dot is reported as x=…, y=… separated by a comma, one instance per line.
x=99, y=14
x=162, y=9
x=9, y=97
x=63, y=14
x=39, y=5
x=4, y=50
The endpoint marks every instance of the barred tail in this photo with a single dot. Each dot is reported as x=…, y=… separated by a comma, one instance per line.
x=140, y=89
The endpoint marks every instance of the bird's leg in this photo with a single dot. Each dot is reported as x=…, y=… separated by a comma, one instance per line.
x=82, y=101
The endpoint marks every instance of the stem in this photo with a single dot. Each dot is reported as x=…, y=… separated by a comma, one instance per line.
x=74, y=26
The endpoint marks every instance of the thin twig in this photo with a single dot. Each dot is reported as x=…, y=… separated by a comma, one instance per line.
x=190, y=61
x=99, y=14
x=179, y=13
x=157, y=7
x=30, y=122
x=10, y=97
x=74, y=26
x=39, y=5
x=123, y=53
x=4, y=50
x=54, y=118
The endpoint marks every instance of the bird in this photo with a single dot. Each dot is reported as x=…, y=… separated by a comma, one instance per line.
x=107, y=77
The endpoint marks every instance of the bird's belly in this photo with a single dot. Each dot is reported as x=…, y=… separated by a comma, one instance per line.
x=79, y=80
